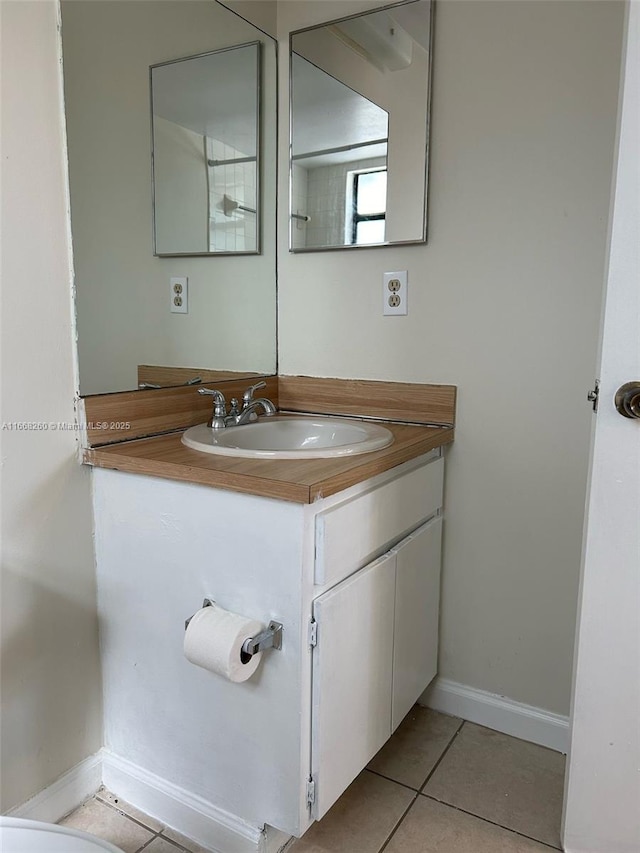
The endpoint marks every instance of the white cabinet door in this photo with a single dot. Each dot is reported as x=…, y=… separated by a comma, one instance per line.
x=352, y=678
x=415, y=649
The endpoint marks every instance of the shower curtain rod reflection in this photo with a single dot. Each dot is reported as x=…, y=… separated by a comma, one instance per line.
x=230, y=205
x=231, y=161
x=340, y=149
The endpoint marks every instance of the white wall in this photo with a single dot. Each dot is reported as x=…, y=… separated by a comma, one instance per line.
x=504, y=302
x=262, y=13
x=123, y=291
x=51, y=706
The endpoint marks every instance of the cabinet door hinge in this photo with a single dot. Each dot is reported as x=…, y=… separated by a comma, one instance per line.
x=311, y=792
x=313, y=633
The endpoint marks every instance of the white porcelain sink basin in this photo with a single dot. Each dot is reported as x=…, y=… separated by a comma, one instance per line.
x=290, y=437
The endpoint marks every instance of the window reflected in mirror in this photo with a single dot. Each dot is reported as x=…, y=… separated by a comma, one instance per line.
x=368, y=209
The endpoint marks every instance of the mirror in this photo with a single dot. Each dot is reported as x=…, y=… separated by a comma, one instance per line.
x=126, y=329
x=360, y=94
x=206, y=153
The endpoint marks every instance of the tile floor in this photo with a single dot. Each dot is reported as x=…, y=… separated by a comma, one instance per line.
x=440, y=785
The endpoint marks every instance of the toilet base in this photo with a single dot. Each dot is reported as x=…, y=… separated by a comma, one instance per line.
x=32, y=836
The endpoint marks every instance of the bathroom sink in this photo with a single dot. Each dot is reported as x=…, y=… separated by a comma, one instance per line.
x=290, y=437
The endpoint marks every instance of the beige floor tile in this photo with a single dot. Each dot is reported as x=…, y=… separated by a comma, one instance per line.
x=508, y=781
x=183, y=841
x=361, y=820
x=432, y=827
x=162, y=845
x=416, y=746
x=100, y=819
x=129, y=810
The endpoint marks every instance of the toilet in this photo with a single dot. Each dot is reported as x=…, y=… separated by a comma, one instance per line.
x=32, y=836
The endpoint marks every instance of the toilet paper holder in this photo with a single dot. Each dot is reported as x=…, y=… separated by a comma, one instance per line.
x=270, y=638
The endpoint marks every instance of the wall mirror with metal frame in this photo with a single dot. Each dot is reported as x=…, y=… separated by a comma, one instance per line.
x=206, y=153
x=130, y=334
x=360, y=96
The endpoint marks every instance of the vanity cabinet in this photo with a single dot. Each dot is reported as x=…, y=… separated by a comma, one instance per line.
x=354, y=578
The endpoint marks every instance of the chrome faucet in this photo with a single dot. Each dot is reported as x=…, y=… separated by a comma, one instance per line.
x=220, y=419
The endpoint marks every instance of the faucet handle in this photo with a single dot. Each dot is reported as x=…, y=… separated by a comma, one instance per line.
x=219, y=403
x=211, y=392
x=247, y=397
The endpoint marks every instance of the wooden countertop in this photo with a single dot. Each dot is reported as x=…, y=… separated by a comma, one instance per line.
x=299, y=480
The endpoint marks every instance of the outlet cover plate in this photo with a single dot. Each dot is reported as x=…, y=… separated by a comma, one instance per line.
x=394, y=293
x=179, y=294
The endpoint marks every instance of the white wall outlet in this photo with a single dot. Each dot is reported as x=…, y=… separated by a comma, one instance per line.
x=179, y=294
x=394, y=292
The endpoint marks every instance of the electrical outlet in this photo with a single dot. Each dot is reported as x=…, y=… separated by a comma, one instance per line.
x=179, y=294
x=394, y=292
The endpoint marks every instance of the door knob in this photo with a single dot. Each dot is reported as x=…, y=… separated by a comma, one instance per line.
x=628, y=400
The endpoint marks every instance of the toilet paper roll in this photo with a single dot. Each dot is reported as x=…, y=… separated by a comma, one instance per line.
x=214, y=638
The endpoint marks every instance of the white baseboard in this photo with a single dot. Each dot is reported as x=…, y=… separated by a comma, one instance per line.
x=190, y=815
x=185, y=812
x=68, y=792
x=497, y=712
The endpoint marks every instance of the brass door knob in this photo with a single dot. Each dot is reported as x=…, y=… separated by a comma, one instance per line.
x=628, y=400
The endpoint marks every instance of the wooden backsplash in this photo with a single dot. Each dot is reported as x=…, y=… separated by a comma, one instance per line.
x=394, y=401
x=135, y=414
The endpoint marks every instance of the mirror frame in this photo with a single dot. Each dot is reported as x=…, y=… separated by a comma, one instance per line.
x=425, y=207
x=259, y=135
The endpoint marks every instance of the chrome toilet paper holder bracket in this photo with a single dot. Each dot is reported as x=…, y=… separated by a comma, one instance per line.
x=270, y=638
x=208, y=602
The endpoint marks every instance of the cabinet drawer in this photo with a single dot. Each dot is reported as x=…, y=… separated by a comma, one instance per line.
x=350, y=535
